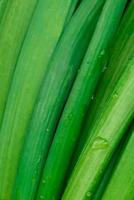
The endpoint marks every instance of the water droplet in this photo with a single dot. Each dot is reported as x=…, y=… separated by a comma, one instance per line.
x=104, y=69
x=47, y=130
x=42, y=197
x=92, y=97
x=115, y=95
x=89, y=194
x=100, y=143
x=43, y=181
x=102, y=52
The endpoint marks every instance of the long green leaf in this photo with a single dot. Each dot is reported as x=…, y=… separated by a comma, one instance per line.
x=70, y=123
x=62, y=71
x=13, y=29
x=112, y=165
x=107, y=133
x=121, y=185
x=3, y=4
x=36, y=52
x=120, y=52
x=71, y=11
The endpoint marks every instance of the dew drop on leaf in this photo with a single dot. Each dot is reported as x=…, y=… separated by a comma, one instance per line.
x=43, y=181
x=92, y=97
x=115, y=95
x=89, y=194
x=42, y=197
x=104, y=69
x=47, y=130
x=102, y=52
x=100, y=143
